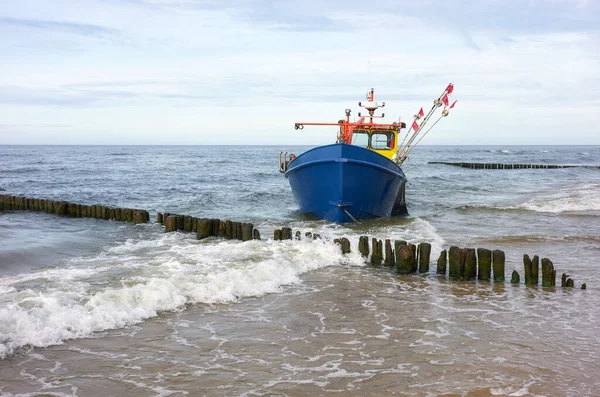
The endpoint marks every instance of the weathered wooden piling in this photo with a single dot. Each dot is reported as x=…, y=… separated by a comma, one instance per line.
x=563, y=280
x=255, y=234
x=570, y=283
x=308, y=235
x=286, y=233
x=527, y=269
x=363, y=246
x=277, y=234
x=345, y=244
x=171, y=223
x=470, y=267
x=413, y=249
x=583, y=286
x=247, y=231
x=389, y=253
x=204, y=228
x=548, y=273
x=535, y=270
x=405, y=259
x=298, y=235
x=377, y=255
x=515, y=279
x=424, y=257
x=498, y=260
x=159, y=218
x=455, y=262
x=442, y=262
x=229, y=230
x=484, y=260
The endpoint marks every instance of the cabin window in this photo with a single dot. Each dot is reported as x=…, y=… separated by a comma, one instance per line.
x=360, y=138
x=382, y=140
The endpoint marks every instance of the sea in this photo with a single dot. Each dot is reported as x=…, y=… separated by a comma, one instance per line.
x=103, y=308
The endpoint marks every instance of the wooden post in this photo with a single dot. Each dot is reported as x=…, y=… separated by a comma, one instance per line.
x=389, y=253
x=442, y=262
x=363, y=246
x=204, y=228
x=286, y=233
x=129, y=213
x=247, y=231
x=424, y=257
x=256, y=234
x=345, y=243
x=563, y=280
x=515, y=279
x=194, y=224
x=277, y=234
x=404, y=259
x=570, y=283
x=187, y=223
x=548, y=273
x=377, y=255
x=454, y=263
x=298, y=235
x=583, y=286
x=535, y=270
x=470, y=272
x=139, y=216
x=527, y=269
x=498, y=260
x=229, y=230
x=238, y=226
x=415, y=266
x=171, y=223
x=484, y=259
x=159, y=218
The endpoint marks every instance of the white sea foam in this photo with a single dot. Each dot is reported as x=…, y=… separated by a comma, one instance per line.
x=585, y=197
x=133, y=282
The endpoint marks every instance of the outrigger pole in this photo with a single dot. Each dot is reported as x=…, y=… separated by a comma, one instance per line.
x=403, y=151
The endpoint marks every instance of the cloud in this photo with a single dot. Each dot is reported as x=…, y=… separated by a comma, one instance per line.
x=82, y=29
x=194, y=67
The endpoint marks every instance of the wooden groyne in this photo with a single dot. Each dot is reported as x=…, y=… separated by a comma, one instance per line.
x=65, y=208
x=204, y=227
x=461, y=264
x=501, y=166
x=464, y=264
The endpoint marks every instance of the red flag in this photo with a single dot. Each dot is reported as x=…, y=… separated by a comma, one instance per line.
x=421, y=113
x=415, y=126
x=445, y=99
x=450, y=88
x=453, y=103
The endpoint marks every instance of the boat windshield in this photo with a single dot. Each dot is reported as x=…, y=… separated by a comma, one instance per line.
x=382, y=140
x=360, y=138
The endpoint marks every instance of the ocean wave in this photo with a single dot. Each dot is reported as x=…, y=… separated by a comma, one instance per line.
x=152, y=276
x=573, y=199
x=580, y=198
x=538, y=238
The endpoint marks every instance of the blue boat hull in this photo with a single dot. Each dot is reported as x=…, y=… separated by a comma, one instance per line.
x=342, y=183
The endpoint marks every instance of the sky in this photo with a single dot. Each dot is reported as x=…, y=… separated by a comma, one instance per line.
x=154, y=72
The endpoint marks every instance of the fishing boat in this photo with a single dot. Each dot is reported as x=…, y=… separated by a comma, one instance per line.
x=360, y=175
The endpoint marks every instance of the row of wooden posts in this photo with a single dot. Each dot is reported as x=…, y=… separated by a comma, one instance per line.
x=208, y=227
x=12, y=203
x=500, y=166
x=456, y=263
